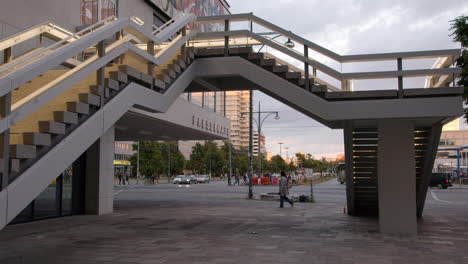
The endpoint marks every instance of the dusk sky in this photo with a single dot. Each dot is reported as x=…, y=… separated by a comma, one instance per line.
x=350, y=27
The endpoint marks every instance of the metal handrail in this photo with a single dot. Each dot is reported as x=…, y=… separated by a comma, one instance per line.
x=168, y=23
x=42, y=50
x=328, y=53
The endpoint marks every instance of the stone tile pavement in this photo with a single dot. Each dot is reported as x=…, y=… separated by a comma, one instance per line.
x=215, y=224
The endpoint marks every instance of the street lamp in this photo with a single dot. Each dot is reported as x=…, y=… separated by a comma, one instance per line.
x=288, y=43
x=259, y=122
x=281, y=144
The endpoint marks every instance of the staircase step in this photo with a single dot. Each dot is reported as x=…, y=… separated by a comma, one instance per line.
x=66, y=117
x=37, y=139
x=277, y=68
x=52, y=127
x=146, y=78
x=181, y=63
x=131, y=72
x=170, y=73
x=290, y=75
x=175, y=67
x=119, y=76
x=22, y=151
x=159, y=85
x=311, y=82
x=112, y=84
x=98, y=89
x=256, y=56
x=78, y=107
x=165, y=78
x=14, y=165
x=265, y=62
x=90, y=99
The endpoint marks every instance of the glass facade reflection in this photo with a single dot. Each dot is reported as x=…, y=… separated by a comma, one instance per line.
x=55, y=201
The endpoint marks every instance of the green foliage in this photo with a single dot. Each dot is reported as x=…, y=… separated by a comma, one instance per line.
x=460, y=34
x=155, y=157
x=308, y=161
x=278, y=164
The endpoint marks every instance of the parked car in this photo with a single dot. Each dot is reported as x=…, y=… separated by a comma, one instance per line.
x=182, y=179
x=441, y=180
x=203, y=179
x=193, y=179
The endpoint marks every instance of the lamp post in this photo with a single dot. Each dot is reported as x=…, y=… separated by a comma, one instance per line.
x=259, y=122
x=281, y=144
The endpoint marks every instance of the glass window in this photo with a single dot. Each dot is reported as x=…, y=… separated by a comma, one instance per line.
x=45, y=205
x=67, y=191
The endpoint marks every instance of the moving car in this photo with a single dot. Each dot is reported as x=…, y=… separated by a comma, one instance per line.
x=184, y=179
x=203, y=179
x=441, y=180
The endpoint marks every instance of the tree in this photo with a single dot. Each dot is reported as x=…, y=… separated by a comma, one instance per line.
x=176, y=161
x=277, y=163
x=151, y=161
x=196, y=162
x=460, y=34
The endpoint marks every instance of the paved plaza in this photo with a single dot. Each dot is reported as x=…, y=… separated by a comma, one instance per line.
x=214, y=223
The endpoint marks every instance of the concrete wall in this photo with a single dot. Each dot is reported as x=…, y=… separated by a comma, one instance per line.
x=129, y=8
x=18, y=15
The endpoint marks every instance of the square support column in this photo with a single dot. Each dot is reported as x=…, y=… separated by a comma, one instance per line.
x=396, y=177
x=100, y=175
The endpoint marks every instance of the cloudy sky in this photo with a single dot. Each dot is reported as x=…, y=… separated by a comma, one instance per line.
x=349, y=27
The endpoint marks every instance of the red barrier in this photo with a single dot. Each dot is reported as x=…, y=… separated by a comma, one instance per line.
x=254, y=180
x=265, y=180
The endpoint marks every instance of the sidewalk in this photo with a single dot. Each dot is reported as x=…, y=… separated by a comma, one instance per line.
x=214, y=223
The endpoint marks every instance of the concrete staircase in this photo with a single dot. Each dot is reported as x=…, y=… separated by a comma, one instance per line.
x=34, y=136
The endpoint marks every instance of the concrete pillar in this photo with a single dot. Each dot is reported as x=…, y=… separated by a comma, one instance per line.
x=100, y=175
x=396, y=177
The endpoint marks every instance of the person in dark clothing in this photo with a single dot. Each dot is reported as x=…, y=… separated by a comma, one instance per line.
x=120, y=178
x=237, y=179
x=284, y=190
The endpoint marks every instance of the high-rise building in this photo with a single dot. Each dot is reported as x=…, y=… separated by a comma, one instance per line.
x=237, y=102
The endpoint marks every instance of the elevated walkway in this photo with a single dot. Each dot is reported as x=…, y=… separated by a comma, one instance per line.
x=52, y=114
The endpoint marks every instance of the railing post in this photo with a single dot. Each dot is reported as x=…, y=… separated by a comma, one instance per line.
x=224, y=103
x=314, y=72
x=100, y=73
x=5, y=103
x=184, y=47
x=345, y=85
x=306, y=69
x=7, y=55
x=400, y=78
x=226, y=38
x=150, y=50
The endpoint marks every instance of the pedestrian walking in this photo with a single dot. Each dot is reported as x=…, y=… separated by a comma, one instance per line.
x=284, y=190
x=237, y=179
x=127, y=179
x=120, y=178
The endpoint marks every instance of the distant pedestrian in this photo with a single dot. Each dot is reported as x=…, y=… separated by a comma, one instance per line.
x=237, y=179
x=284, y=190
x=127, y=179
x=245, y=178
x=120, y=178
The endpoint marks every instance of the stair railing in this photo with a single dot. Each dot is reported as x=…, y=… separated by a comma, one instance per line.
x=34, y=65
x=307, y=45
